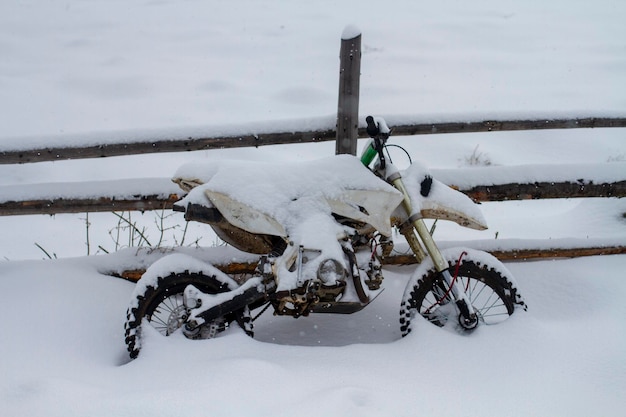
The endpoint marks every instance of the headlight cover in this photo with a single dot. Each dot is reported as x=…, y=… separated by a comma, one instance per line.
x=331, y=271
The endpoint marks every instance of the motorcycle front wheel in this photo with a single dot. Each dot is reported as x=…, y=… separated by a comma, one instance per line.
x=487, y=284
x=160, y=304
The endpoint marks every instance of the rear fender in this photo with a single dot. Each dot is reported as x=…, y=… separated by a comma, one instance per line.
x=244, y=216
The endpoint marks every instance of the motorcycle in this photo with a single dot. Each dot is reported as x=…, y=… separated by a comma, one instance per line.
x=322, y=231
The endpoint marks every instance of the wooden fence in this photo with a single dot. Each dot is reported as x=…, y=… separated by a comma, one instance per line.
x=162, y=195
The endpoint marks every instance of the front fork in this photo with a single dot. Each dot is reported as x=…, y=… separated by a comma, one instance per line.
x=467, y=318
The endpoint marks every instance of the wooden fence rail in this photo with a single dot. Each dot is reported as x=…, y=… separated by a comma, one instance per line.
x=190, y=143
x=503, y=192
x=161, y=193
x=249, y=266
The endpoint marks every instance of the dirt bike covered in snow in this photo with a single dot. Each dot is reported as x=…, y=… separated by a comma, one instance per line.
x=322, y=230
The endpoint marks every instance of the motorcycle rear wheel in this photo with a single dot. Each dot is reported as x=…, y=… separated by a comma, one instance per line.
x=493, y=295
x=162, y=307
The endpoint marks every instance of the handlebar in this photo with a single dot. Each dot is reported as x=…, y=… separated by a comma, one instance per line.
x=378, y=130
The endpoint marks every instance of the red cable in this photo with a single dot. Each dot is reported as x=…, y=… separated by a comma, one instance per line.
x=458, y=266
x=456, y=274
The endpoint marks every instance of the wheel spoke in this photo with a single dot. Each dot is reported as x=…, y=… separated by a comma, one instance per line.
x=172, y=303
x=484, y=307
x=482, y=288
x=496, y=314
x=473, y=287
x=158, y=319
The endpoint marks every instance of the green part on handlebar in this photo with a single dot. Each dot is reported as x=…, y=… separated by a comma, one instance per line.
x=368, y=155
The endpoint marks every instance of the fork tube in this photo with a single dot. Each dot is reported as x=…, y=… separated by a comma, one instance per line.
x=420, y=226
x=429, y=244
x=407, y=231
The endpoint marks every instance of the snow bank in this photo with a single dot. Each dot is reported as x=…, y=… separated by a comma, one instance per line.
x=76, y=368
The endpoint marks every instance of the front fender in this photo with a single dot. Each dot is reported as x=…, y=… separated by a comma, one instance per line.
x=435, y=200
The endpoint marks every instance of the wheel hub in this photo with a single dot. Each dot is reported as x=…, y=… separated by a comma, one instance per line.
x=468, y=323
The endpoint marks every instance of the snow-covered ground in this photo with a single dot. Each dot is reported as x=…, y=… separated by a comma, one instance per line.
x=73, y=69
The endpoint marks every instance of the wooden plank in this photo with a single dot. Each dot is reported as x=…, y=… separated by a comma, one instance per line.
x=502, y=192
x=104, y=204
x=281, y=138
x=239, y=268
x=541, y=190
x=505, y=125
x=165, y=145
x=233, y=268
x=527, y=254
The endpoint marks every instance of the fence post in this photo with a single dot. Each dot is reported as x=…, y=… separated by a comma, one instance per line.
x=348, y=105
